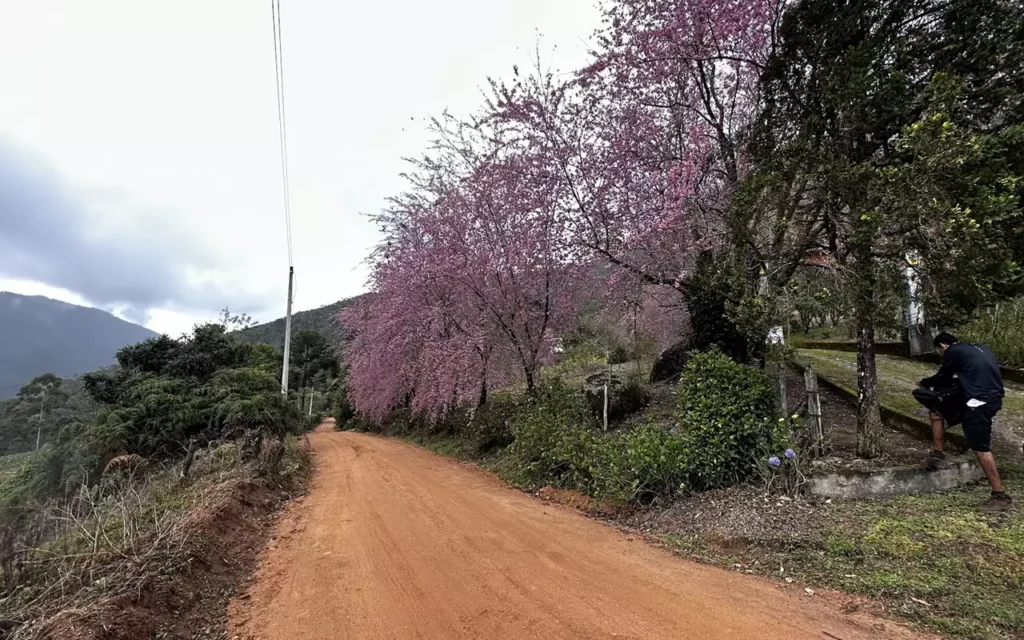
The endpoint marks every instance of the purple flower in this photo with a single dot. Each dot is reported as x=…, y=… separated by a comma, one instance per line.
x=774, y=461
x=790, y=454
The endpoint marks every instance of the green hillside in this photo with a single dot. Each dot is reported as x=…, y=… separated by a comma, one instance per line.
x=322, y=320
x=39, y=335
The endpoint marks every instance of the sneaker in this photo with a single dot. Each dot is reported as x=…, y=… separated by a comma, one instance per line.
x=936, y=460
x=997, y=504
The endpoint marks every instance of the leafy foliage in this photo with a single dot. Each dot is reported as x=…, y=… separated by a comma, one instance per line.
x=726, y=414
x=40, y=410
x=1001, y=328
x=552, y=439
x=711, y=295
x=164, y=393
x=313, y=360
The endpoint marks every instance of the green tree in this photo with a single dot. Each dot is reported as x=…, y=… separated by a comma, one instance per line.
x=877, y=104
x=312, y=363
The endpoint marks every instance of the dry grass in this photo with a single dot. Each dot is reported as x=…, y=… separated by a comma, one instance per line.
x=69, y=559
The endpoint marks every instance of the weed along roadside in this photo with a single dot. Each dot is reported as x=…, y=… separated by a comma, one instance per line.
x=141, y=518
x=694, y=472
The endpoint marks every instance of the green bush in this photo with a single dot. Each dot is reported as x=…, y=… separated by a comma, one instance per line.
x=491, y=425
x=642, y=465
x=726, y=414
x=710, y=293
x=1000, y=328
x=620, y=355
x=556, y=444
x=552, y=438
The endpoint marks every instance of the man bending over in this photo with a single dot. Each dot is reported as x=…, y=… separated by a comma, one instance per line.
x=976, y=370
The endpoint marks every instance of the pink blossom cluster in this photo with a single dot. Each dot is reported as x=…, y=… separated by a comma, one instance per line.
x=604, y=185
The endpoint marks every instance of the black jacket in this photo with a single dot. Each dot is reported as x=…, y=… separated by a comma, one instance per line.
x=974, y=367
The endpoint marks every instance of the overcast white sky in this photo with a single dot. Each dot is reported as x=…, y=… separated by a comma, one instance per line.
x=138, y=139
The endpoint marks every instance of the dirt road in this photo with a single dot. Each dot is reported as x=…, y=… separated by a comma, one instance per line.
x=393, y=542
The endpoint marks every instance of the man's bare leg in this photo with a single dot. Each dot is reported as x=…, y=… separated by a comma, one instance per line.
x=988, y=463
x=938, y=431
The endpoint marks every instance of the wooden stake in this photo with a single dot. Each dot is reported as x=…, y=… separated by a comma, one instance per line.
x=815, y=427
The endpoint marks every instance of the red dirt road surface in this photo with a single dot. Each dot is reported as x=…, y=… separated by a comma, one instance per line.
x=393, y=542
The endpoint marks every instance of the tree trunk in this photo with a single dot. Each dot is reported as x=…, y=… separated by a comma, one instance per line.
x=483, y=393
x=607, y=381
x=531, y=387
x=869, y=419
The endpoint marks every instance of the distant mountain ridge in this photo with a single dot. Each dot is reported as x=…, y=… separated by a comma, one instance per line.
x=40, y=335
x=322, y=320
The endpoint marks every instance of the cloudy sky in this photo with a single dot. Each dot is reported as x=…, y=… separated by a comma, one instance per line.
x=138, y=139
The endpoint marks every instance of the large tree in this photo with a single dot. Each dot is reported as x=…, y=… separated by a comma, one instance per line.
x=898, y=118
x=472, y=284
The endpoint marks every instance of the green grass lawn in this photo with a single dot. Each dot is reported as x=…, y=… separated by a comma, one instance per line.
x=897, y=378
x=935, y=558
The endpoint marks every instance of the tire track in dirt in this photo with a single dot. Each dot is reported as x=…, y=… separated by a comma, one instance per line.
x=393, y=542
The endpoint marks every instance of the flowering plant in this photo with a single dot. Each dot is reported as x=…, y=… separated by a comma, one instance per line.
x=783, y=473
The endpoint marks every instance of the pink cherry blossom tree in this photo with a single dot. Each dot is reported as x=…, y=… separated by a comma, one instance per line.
x=648, y=140
x=472, y=285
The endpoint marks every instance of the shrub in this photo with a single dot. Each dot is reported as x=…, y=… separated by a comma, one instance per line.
x=626, y=396
x=556, y=443
x=709, y=294
x=643, y=465
x=490, y=428
x=726, y=414
x=1001, y=329
x=551, y=438
x=620, y=355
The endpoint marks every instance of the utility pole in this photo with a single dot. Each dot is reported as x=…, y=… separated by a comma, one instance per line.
x=287, y=334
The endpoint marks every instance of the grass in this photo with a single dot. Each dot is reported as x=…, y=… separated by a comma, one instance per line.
x=897, y=378
x=934, y=560
x=9, y=465
x=118, y=537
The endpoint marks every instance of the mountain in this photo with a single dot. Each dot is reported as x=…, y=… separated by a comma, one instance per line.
x=39, y=335
x=322, y=320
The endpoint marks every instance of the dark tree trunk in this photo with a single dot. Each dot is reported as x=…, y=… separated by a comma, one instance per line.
x=869, y=419
x=483, y=394
x=531, y=386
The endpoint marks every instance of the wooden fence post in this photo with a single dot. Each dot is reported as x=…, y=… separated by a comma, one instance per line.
x=815, y=428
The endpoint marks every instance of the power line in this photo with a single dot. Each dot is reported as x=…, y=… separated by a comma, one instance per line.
x=275, y=11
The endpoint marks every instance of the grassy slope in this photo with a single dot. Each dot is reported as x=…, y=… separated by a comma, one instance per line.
x=9, y=465
x=897, y=377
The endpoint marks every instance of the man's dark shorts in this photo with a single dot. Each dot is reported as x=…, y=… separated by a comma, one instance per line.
x=978, y=426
